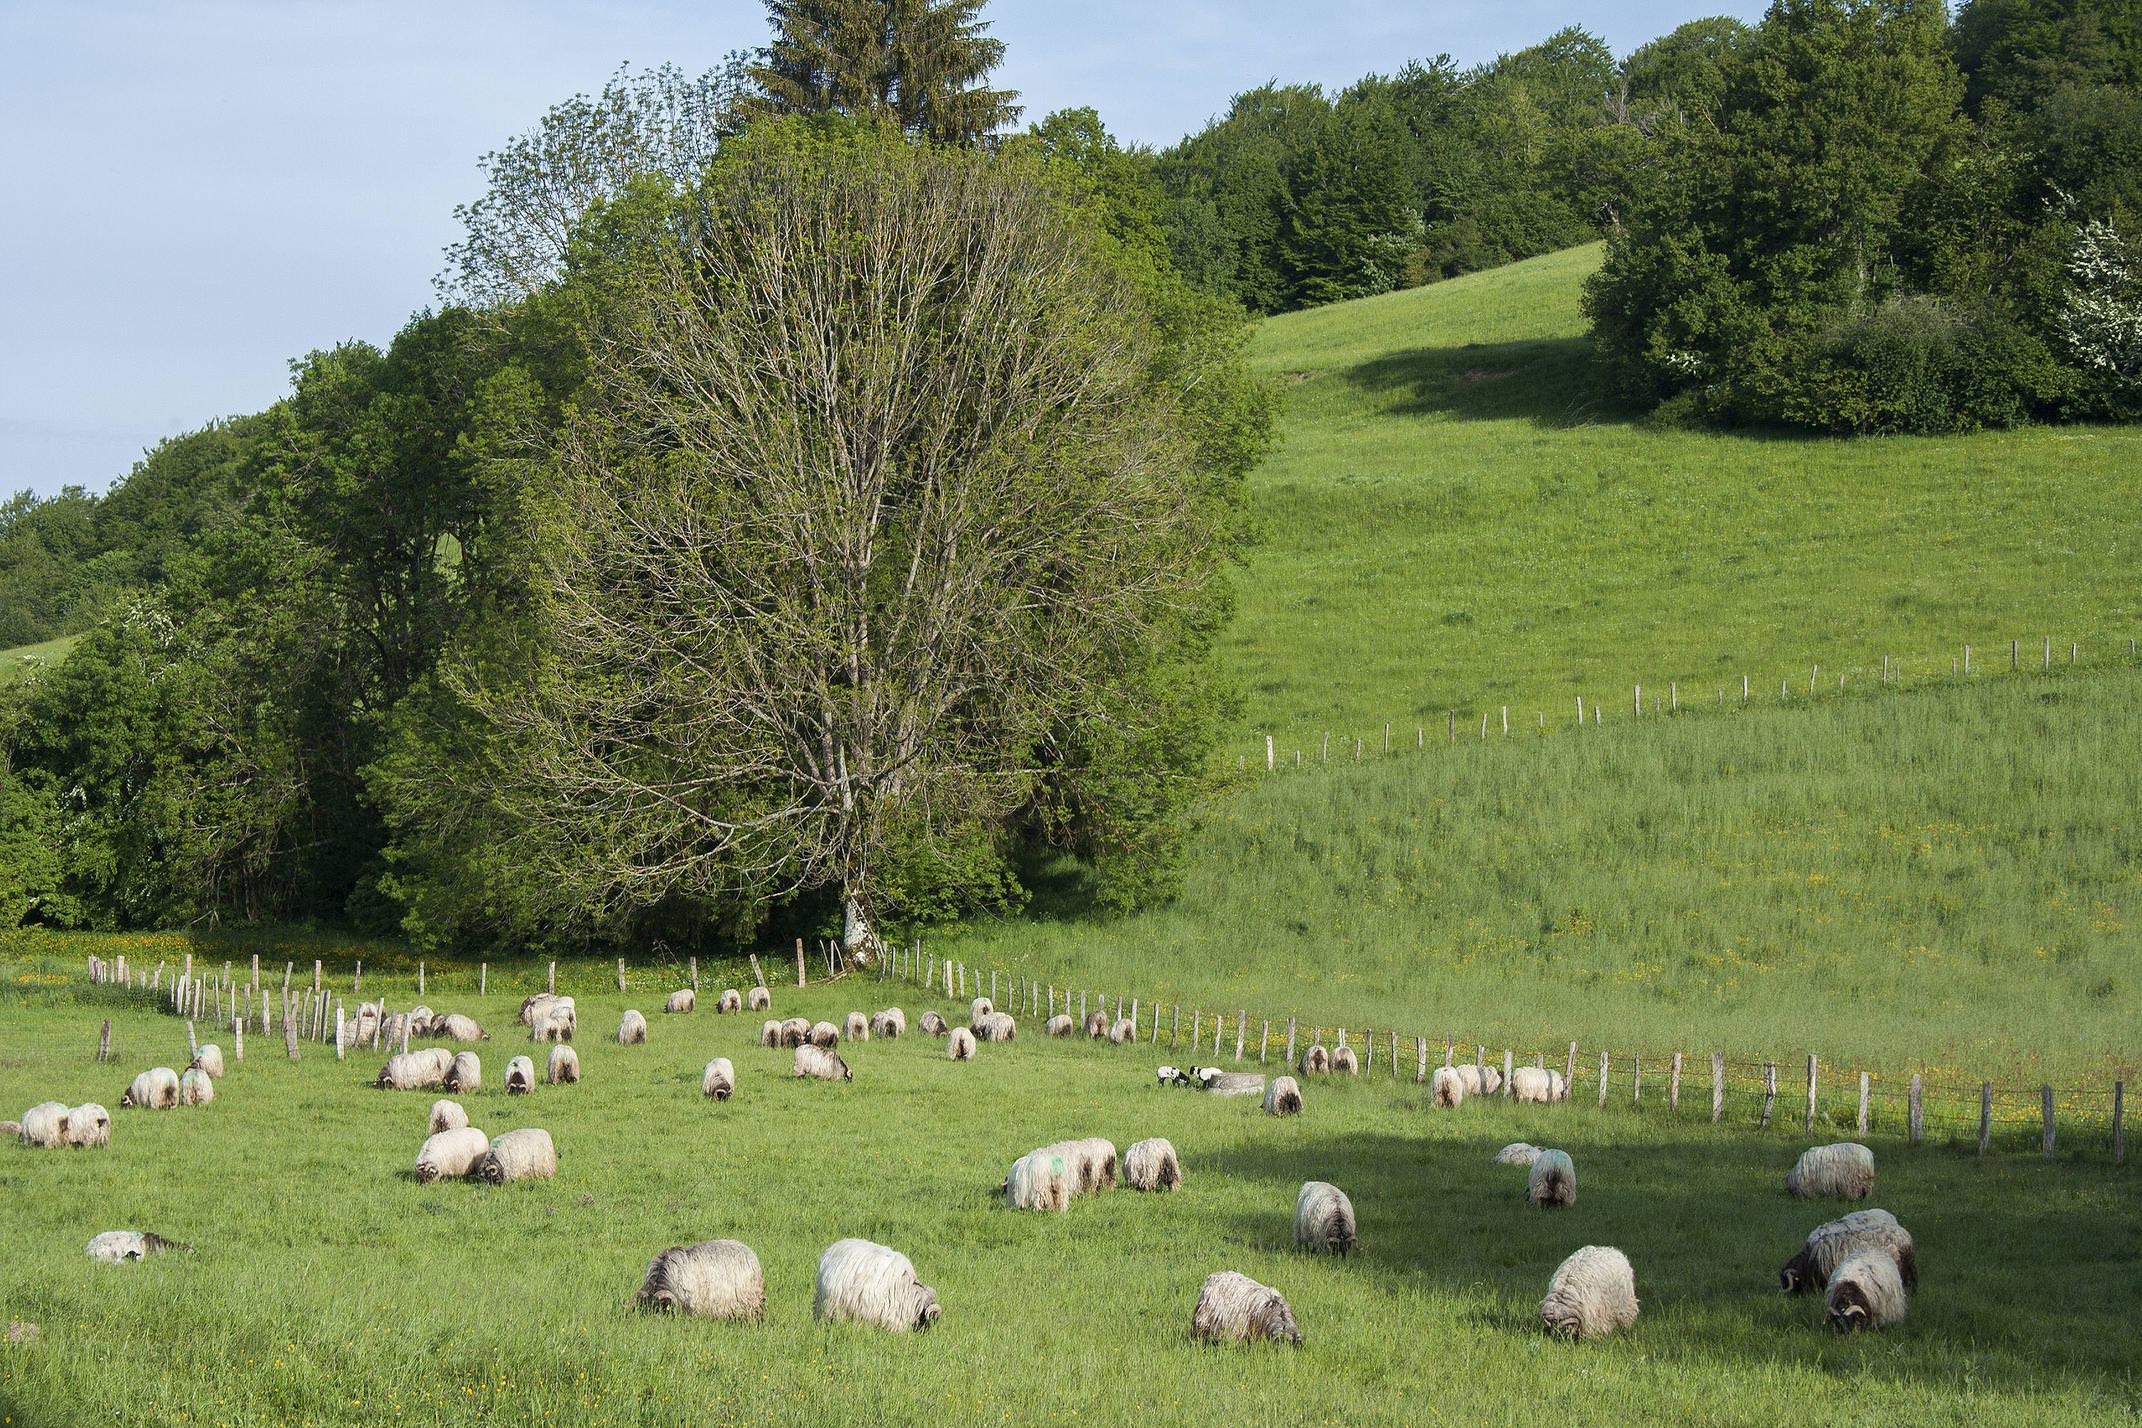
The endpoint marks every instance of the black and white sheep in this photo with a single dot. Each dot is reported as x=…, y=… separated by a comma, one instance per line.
x=1235, y=1309
x=44, y=1126
x=1174, y=1076
x=129, y=1246
x=1316, y=1061
x=208, y=1060
x=824, y=1034
x=872, y=1284
x=447, y=1115
x=89, y=1127
x=450, y=1155
x=718, y=1081
x=855, y=1026
x=731, y=1000
x=520, y=1076
x=1866, y=1292
x=416, y=1070
x=155, y=1089
x=1324, y=1219
x=996, y=1026
x=684, y=999
x=632, y=1028
x=1059, y=1025
x=464, y=1073
x=714, y=1279
x=1553, y=1182
x=1446, y=1088
x=524, y=1154
x=1592, y=1295
x=564, y=1068
x=758, y=999
x=1283, y=1097
x=960, y=1045
x=1152, y=1165
x=821, y=1063
x=1830, y=1245
x=1844, y=1171
x=890, y=1023
x=196, y=1088
x=932, y=1024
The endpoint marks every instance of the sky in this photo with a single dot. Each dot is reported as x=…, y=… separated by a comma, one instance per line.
x=200, y=192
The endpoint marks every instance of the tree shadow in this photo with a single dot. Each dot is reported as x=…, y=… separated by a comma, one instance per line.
x=1550, y=382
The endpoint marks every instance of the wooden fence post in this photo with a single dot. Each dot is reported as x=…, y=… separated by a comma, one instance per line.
x=550, y=979
x=2119, y=1123
x=1985, y=1116
x=1241, y=1022
x=104, y=1041
x=620, y=976
x=1508, y=1065
x=1290, y=1043
x=1770, y=1091
x=256, y=971
x=289, y=1029
x=1420, y=1060
x=1264, y=1042
x=483, y=980
x=340, y=1055
x=1602, y=1080
x=1636, y=1086
x=1810, y=1093
x=1915, y=1125
x=1863, y=1103
x=1394, y=1056
x=238, y=1040
x=1673, y=1084
x=2045, y=1106
x=1219, y=1023
x=1175, y=1024
x=799, y=961
x=1569, y=1070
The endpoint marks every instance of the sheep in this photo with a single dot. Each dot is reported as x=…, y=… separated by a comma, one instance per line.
x=1517, y=1153
x=1174, y=1076
x=996, y=1026
x=824, y=1034
x=1469, y=1076
x=1323, y=1219
x=1315, y=1061
x=1040, y=1180
x=632, y=1029
x=10, y=1129
x=795, y=1031
x=417, y=1020
x=1235, y=1309
x=718, y=1081
x=1866, y=1292
x=1592, y=1295
x=1558, y=1088
x=1214, y=1081
x=208, y=1060
x=979, y=1008
x=89, y=1127
x=1096, y=1025
x=456, y=1027
x=1092, y=1161
x=1124, y=1032
x=464, y=1073
x=1553, y=1180
x=520, y=1076
x=449, y=1155
x=1344, y=1062
x=531, y=1007
x=961, y=1045
x=128, y=1246
x=555, y=1022
x=759, y=999
x=770, y=1034
x=1844, y=1171
x=1152, y=1165
x=196, y=1088
x=890, y=1023
x=730, y=1000
x=1830, y=1245
x=1532, y=1085
x=684, y=999
x=822, y=1063
x=855, y=1027
x=44, y=1126
x=872, y=1284
x=1060, y=1025
x=415, y=1070
x=524, y=1154
x=447, y=1115
x=714, y=1279
x=156, y=1089
x=1283, y=1097
x=1490, y=1081
x=564, y=1068
x=1446, y=1089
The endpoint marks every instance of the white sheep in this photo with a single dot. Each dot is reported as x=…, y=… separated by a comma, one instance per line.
x=1866, y=1292
x=1559, y=1087
x=1316, y=1061
x=731, y=1000
x=450, y=1155
x=632, y=1029
x=520, y=1076
x=1472, y=1078
x=464, y=1073
x=872, y=1284
x=44, y=1125
x=1040, y=1180
x=714, y=1279
x=1490, y=1080
x=1097, y=1024
x=524, y=1154
x=1830, y=1245
x=1123, y=1032
x=890, y=1023
x=758, y=999
x=1344, y=1062
x=128, y=1246
x=555, y=1021
x=1517, y=1153
x=996, y=1026
x=1060, y=1025
x=89, y=1126
x=824, y=1034
x=1592, y=1295
x=796, y=1031
x=532, y=1007
x=1844, y=1171
x=196, y=1088
x=1283, y=1097
x=1235, y=1309
x=855, y=1027
x=1553, y=1181
x=772, y=1034
x=960, y=1046
x=447, y=1115
x=1323, y=1219
x=208, y=1060
x=456, y=1027
x=979, y=1008
x=1533, y=1085
x=1152, y=1165
x=932, y=1024
x=684, y=999
x=821, y=1063
x=155, y=1089
x=1446, y=1088
x=416, y=1070
x=718, y=1081
x=1093, y=1161
x=564, y=1068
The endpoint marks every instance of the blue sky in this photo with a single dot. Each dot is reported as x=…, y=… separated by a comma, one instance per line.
x=199, y=192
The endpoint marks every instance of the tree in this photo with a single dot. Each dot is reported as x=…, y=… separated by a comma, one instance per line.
x=921, y=65
x=1350, y=216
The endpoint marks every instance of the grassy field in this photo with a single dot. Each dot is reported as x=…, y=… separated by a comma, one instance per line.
x=15, y=662
x=1458, y=520
x=326, y=1287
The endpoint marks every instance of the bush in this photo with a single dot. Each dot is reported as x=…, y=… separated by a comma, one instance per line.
x=1910, y=365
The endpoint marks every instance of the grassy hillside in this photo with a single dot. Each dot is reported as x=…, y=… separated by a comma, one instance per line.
x=326, y=1287
x=1459, y=520
x=22, y=658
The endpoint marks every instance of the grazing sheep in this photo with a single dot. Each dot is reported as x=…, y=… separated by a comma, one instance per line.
x=932, y=1024
x=683, y=999
x=1060, y=1025
x=1283, y=1097
x=1470, y=1077
x=89, y=1127
x=979, y=1008
x=1174, y=1076
x=961, y=1045
x=1559, y=1087
x=1344, y=1062
x=44, y=1126
x=555, y=1022
x=1866, y=1292
x=1124, y=1032
x=416, y=1070
x=1213, y=1081
x=1323, y=1219
x=450, y=1155
x=447, y=1115
x=464, y=1073
x=1592, y=1295
x=1861, y=1232
x=1844, y=1171
x=11, y=1128
x=127, y=1246
x=871, y=1284
x=730, y=1000
x=855, y=1027
x=1553, y=1180
x=1517, y=1153
x=531, y=1007
x=890, y=1023
x=196, y=1088
x=996, y=1026
x=758, y=999
x=1097, y=1024
x=155, y=1089
x=714, y=1279
x=1533, y=1085
x=824, y=1034
x=1040, y=1180
x=1490, y=1080
x=520, y=1076
x=1235, y=1309
x=1093, y=1162
x=1315, y=1061
x=208, y=1060
x=771, y=1034
x=1152, y=1165
x=1446, y=1088
x=564, y=1068
x=795, y=1031
x=821, y=1062
x=632, y=1029
x=718, y=1081
x=456, y=1027
x=524, y=1154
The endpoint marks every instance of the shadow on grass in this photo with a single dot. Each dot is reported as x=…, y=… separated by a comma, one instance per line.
x=1551, y=382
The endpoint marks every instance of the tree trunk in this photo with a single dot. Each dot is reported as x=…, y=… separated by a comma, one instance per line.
x=859, y=936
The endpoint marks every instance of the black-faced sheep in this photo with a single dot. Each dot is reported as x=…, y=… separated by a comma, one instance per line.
x=795, y=1031
x=1862, y=1231
x=1097, y=1024
x=1122, y=1032
x=1866, y=1292
x=464, y=1073
x=1844, y=1171
x=1152, y=1165
x=208, y=1060
x=1592, y=1295
x=996, y=1026
x=1283, y=1097
x=772, y=1034
x=1344, y=1062
x=196, y=1088
x=155, y=1089
x=979, y=1008
x=447, y=1115
x=855, y=1027
x=632, y=1029
x=1323, y=1219
x=44, y=1126
x=1533, y=1085
x=731, y=1000
x=890, y=1023
x=1553, y=1181
x=1174, y=1076
x=564, y=1068
x=718, y=1081
x=960, y=1045
x=416, y=1070
x=524, y=1154
x=127, y=1246
x=824, y=1034
x=1235, y=1309
x=1060, y=1025
x=872, y=1284
x=932, y=1024
x=1040, y=1180
x=714, y=1279
x=520, y=1076
x=1315, y=1061
x=684, y=999
x=1215, y=1082
x=1517, y=1153
x=450, y=1155
x=758, y=999
x=1446, y=1089
x=821, y=1063
x=89, y=1127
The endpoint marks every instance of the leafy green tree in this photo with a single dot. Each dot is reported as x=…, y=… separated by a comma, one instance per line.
x=2019, y=53
x=1350, y=216
x=921, y=65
